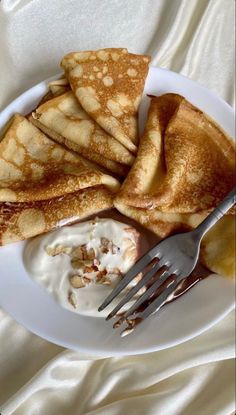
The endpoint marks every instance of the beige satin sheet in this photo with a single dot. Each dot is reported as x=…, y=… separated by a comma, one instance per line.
x=195, y=38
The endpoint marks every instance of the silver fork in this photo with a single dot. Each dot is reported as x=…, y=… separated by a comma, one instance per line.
x=177, y=256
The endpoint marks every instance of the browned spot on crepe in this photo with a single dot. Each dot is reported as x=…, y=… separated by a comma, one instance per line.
x=184, y=167
x=108, y=84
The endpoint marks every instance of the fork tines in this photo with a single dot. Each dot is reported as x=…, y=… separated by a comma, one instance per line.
x=159, y=281
x=136, y=269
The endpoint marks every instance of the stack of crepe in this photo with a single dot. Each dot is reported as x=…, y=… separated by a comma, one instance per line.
x=98, y=116
x=184, y=167
x=43, y=185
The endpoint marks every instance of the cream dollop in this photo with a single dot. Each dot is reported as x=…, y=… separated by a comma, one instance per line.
x=79, y=265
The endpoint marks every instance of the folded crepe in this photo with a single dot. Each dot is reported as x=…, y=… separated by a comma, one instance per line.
x=37, y=174
x=108, y=84
x=59, y=86
x=185, y=166
x=19, y=221
x=63, y=119
x=55, y=88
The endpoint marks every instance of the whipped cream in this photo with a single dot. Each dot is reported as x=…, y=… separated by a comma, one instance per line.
x=79, y=265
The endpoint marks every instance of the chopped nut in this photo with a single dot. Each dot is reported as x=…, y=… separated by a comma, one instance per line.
x=96, y=262
x=36, y=116
x=58, y=250
x=101, y=278
x=77, y=281
x=78, y=263
x=88, y=269
x=106, y=281
x=91, y=253
x=107, y=246
x=114, y=249
x=81, y=253
x=84, y=251
x=115, y=271
x=104, y=250
x=72, y=299
x=100, y=275
x=104, y=241
x=104, y=245
x=77, y=253
x=87, y=280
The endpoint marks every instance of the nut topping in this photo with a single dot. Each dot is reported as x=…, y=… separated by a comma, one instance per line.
x=76, y=281
x=78, y=263
x=114, y=249
x=81, y=252
x=100, y=275
x=89, y=269
x=108, y=246
x=91, y=253
x=72, y=299
x=96, y=263
x=115, y=271
x=104, y=245
x=87, y=280
x=58, y=250
x=106, y=281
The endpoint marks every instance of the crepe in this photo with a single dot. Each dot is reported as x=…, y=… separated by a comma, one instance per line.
x=108, y=84
x=59, y=86
x=184, y=168
x=19, y=221
x=56, y=88
x=64, y=120
x=42, y=185
x=33, y=167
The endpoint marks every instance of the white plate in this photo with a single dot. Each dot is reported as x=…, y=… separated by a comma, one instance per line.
x=203, y=306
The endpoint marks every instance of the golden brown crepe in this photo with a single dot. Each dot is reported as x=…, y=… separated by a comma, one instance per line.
x=42, y=184
x=64, y=120
x=184, y=167
x=19, y=221
x=59, y=86
x=108, y=84
x=56, y=88
x=33, y=167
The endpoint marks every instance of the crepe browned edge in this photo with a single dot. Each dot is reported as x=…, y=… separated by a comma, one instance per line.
x=109, y=84
x=82, y=134
x=33, y=167
x=19, y=221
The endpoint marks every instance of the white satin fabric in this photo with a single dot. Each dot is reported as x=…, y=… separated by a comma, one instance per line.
x=194, y=37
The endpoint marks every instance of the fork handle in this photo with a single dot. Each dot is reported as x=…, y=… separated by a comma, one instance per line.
x=217, y=214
